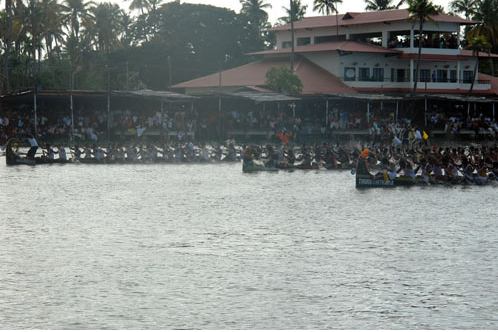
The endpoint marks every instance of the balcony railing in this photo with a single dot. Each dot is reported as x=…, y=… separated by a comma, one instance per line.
x=407, y=80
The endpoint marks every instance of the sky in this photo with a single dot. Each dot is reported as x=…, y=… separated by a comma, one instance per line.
x=277, y=11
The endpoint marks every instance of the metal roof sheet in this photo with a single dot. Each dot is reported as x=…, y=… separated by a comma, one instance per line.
x=262, y=96
x=462, y=98
x=167, y=96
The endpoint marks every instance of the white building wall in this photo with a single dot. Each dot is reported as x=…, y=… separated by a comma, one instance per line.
x=381, y=28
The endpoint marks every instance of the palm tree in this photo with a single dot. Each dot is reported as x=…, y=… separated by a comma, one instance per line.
x=53, y=28
x=140, y=5
x=477, y=44
x=74, y=13
x=255, y=11
x=466, y=7
x=257, y=20
x=126, y=37
x=377, y=5
x=421, y=11
x=487, y=26
x=5, y=83
x=328, y=7
x=105, y=30
x=297, y=14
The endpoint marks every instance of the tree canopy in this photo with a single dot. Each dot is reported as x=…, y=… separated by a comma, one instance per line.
x=282, y=80
x=153, y=45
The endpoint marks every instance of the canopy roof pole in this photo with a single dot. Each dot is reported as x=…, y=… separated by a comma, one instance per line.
x=493, y=111
x=468, y=110
x=36, y=115
x=327, y=112
x=425, y=113
x=219, y=91
x=368, y=112
x=72, y=115
x=108, y=103
x=397, y=109
x=162, y=120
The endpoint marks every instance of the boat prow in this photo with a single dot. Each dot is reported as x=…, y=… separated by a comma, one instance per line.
x=367, y=181
x=257, y=168
x=20, y=161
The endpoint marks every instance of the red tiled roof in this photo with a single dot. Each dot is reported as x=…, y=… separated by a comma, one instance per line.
x=315, y=79
x=467, y=53
x=364, y=18
x=346, y=46
x=492, y=79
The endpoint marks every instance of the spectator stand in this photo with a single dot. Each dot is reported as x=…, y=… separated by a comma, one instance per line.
x=97, y=114
x=461, y=116
x=248, y=113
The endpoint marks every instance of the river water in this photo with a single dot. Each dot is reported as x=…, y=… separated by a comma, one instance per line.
x=208, y=247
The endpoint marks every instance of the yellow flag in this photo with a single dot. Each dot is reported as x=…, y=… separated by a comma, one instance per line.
x=425, y=135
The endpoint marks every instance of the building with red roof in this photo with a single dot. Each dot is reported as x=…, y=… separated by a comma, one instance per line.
x=364, y=52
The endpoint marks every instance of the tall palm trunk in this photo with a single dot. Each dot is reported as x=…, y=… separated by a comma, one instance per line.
x=5, y=82
x=475, y=72
x=337, y=23
x=421, y=29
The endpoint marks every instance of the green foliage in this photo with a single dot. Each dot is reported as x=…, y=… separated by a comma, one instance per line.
x=62, y=35
x=281, y=79
x=326, y=7
x=298, y=12
x=421, y=11
x=375, y=5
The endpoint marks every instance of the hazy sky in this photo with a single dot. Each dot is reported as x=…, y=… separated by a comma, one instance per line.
x=276, y=11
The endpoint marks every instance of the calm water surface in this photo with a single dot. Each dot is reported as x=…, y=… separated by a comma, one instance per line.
x=208, y=247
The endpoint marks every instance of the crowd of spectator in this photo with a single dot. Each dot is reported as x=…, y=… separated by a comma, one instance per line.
x=459, y=121
x=92, y=124
x=443, y=41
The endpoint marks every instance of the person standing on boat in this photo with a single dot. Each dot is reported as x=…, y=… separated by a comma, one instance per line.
x=361, y=166
x=33, y=147
x=284, y=137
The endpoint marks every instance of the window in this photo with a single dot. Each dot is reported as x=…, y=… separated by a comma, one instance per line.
x=401, y=75
x=303, y=41
x=287, y=44
x=349, y=74
x=364, y=74
x=327, y=39
x=468, y=76
x=442, y=76
x=453, y=76
x=378, y=74
x=425, y=75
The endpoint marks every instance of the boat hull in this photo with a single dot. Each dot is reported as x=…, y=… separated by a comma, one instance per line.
x=366, y=181
x=257, y=168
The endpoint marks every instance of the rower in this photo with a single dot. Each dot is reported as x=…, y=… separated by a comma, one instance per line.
x=62, y=153
x=77, y=152
x=50, y=153
x=248, y=156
